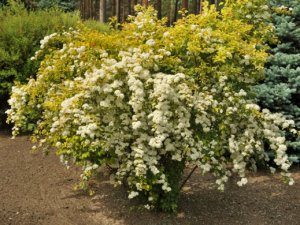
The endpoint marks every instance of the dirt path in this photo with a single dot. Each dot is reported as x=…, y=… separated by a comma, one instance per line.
x=37, y=190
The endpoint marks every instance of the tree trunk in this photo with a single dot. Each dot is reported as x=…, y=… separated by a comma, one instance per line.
x=176, y=10
x=145, y=3
x=118, y=10
x=216, y=4
x=200, y=6
x=158, y=8
x=102, y=11
x=129, y=7
x=185, y=4
x=169, y=12
x=123, y=10
x=113, y=8
x=195, y=7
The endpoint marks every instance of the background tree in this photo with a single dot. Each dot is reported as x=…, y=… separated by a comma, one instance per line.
x=118, y=10
x=122, y=8
x=280, y=91
x=185, y=4
x=169, y=12
x=102, y=10
x=145, y=3
x=159, y=9
x=176, y=10
x=65, y=5
x=86, y=9
x=129, y=7
x=195, y=6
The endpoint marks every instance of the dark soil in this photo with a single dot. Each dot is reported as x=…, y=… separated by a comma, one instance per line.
x=38, y=190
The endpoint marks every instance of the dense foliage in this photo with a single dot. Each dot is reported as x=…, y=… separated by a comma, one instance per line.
x=280, y=91
x=65, y=5
x=20, y=35
x=3, y=2
x=150, y=100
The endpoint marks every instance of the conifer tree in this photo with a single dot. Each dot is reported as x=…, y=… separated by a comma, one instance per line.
x=280, y=91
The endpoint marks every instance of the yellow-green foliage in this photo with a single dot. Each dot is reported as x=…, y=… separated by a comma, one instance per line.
x=149, y=99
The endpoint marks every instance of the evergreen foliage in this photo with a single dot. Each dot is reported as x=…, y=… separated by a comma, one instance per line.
x=280, y=91
x=65, y=5
x=3, y=2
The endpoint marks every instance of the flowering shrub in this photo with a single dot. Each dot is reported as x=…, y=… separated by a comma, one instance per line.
x=150, y=100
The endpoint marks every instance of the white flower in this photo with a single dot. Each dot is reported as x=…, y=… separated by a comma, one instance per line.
x=166, y=34
x=105, y=104
x=242, y=93
x=193, y=27
x=136, y=125
x=206, y=129
x=291, y=182
x=81, y=49
x=133, y=194
x=272, y=169
x=147, y=206
x=155, y=142
x=137, y=69
x=242, y=182
x=119, y=94
x=282, y=148
x=206, y=167
x=150, y=42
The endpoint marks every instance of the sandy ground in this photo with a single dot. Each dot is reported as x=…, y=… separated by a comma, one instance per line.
x=38, y=190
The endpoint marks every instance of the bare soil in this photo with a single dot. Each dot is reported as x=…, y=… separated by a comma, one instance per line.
x=38, y=190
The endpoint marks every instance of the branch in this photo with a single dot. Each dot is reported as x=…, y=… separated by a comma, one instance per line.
x=188, y=177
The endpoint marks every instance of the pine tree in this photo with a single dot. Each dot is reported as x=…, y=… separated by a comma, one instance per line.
x=280, y=91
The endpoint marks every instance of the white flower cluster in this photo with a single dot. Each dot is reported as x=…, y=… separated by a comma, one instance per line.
x=282, y=7
x=17, y=102
x=46, y=39
x=140, y=20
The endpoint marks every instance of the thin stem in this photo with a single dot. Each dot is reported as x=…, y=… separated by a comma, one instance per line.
x=188, y=177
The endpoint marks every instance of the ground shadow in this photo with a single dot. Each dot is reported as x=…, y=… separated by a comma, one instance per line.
x=263, y=201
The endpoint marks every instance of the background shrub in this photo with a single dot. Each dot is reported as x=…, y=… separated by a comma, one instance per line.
x=3, y=2
x=95, y=25
x=20, y=35
x=280, y=91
